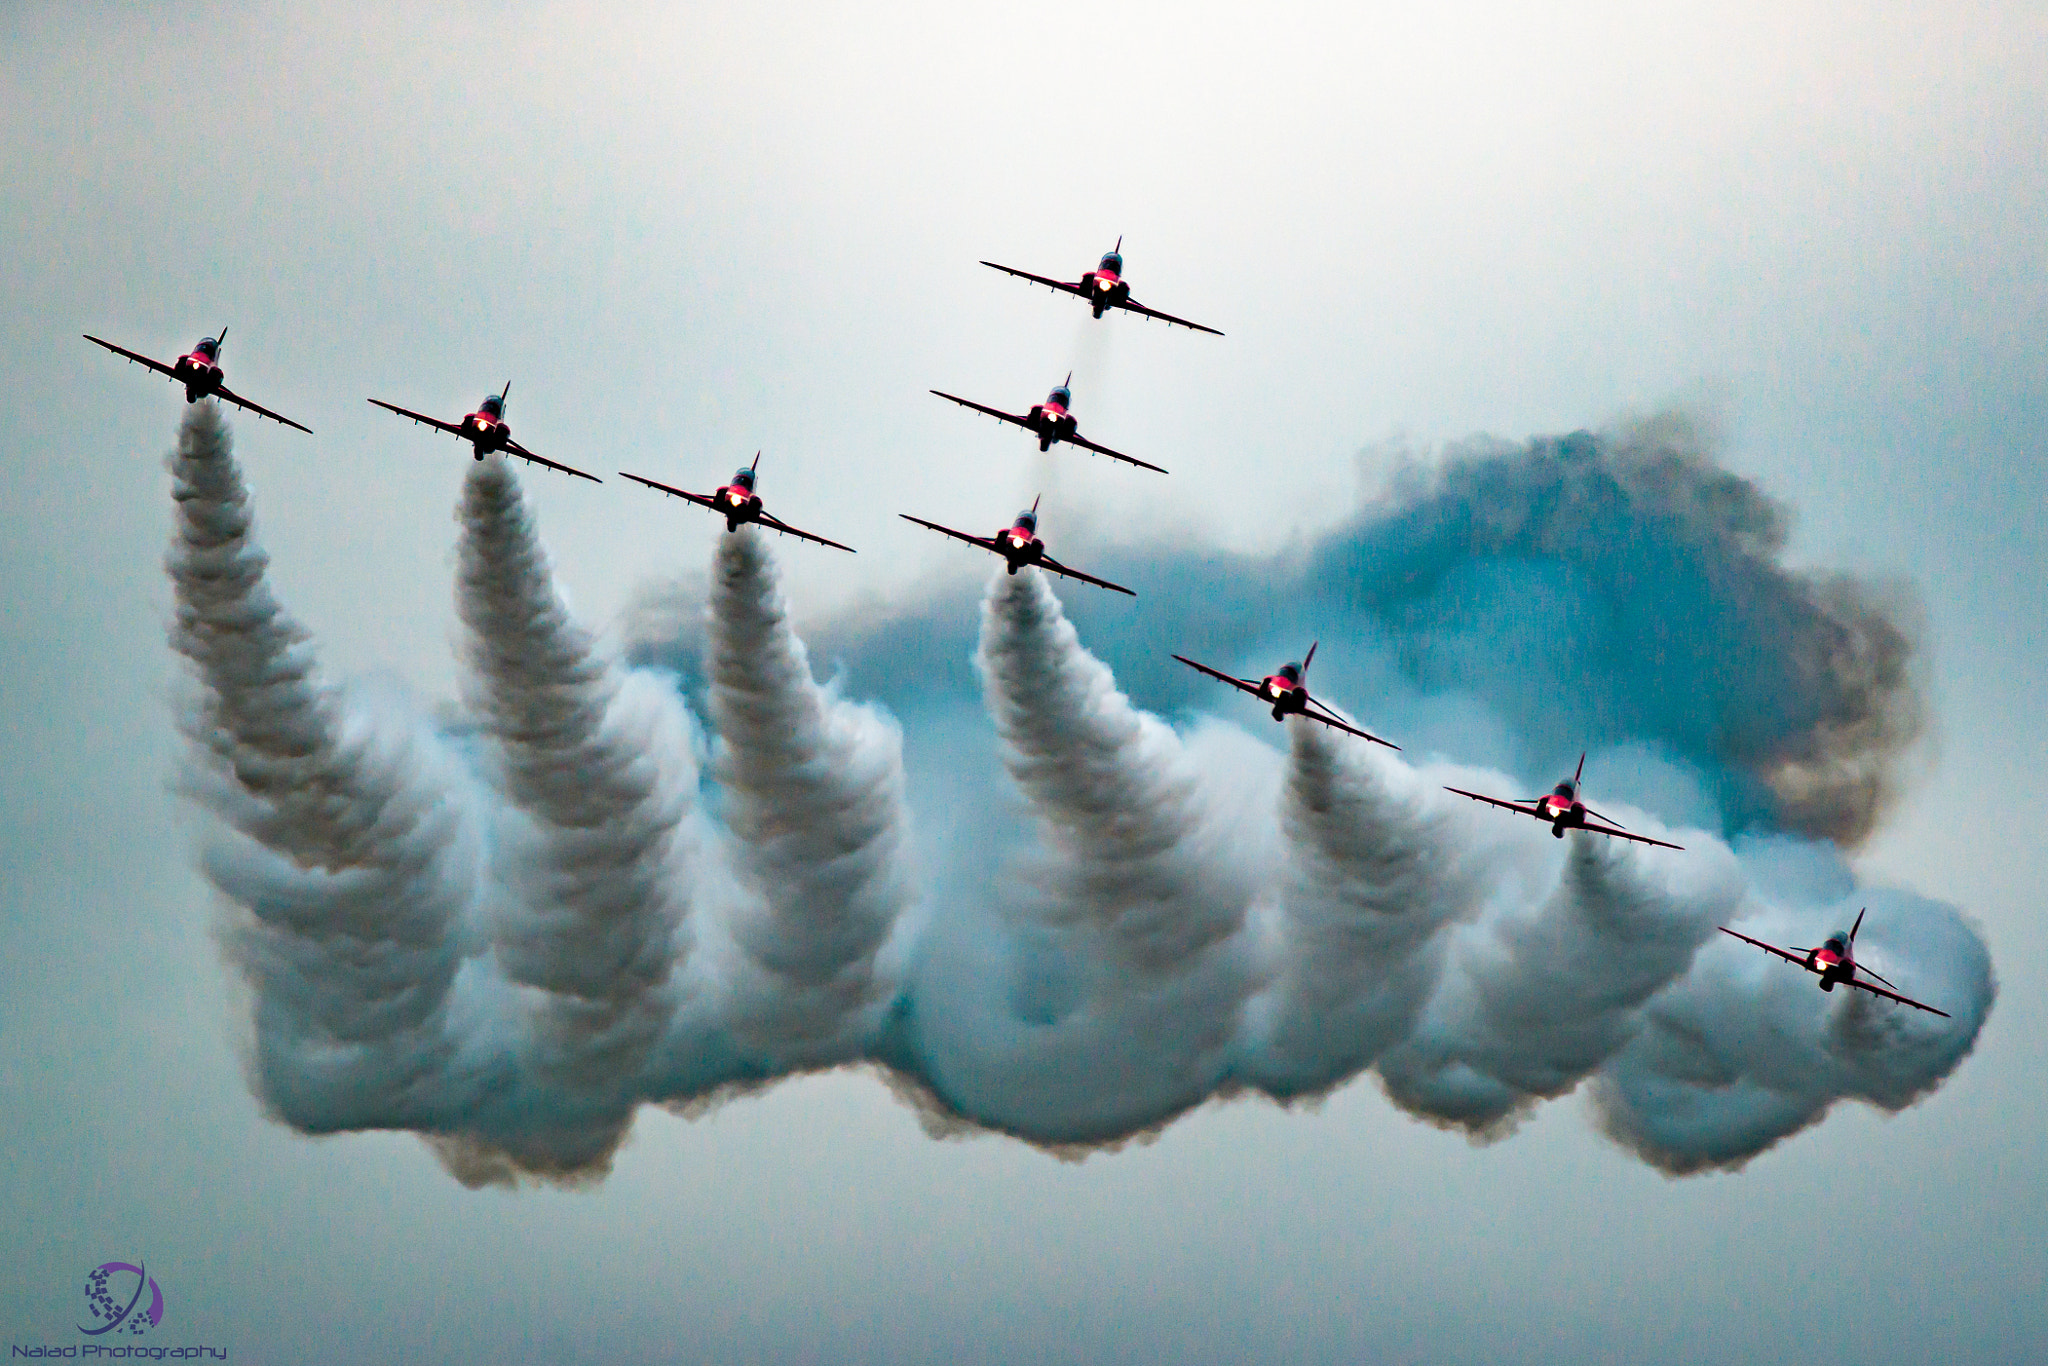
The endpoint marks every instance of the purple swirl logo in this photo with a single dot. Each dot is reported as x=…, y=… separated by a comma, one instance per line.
x=105, y=1285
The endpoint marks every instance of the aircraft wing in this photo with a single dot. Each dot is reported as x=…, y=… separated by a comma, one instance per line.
x=1085, y=444
x=1132, y=305
x=514, y=448
x=140, y=359
x=1894, y=996
x=997, y=413
x=1316, y=711
x=1064, y=286
x=1785, y=954
x=1618, y=833
x=777, y=524
x=700, y=499
x=453, y=429
x=1241, y=684
x=1525, y=808
x=230, y=396
x=985, y=542
x=1052, y=566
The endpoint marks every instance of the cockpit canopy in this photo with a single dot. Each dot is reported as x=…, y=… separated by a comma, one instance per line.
x=1565, y=790
x=1027, y=521
x=1113, y=262
x=744, y=477
x=1837, y=945
x=208, y=347
x=1291, y=672
x=1062, y=396
x=493, y=404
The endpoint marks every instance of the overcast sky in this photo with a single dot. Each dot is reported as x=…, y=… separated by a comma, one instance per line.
x=687, y=234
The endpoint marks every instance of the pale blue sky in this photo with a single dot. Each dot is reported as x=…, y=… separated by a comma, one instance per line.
x=685, y=235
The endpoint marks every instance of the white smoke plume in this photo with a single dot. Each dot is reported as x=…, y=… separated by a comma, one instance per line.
x=1375, y=874
x=1135, y=900
x=1744, y=1051
x=506, y=936
x=1543, y=995
x=345, y=840
x=599, y=762
x=813, y=796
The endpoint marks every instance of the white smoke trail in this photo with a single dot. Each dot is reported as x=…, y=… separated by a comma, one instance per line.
x=1196, y=915
x=1543, y=996
x=1374, y=873
x=1746, y=1050
x=601, y=764
x=357, y=859
x=1139, y=881
x=813, y=795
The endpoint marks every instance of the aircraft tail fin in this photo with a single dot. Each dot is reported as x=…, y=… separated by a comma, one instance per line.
x=1857, y=926
x=1580, y=771
x=757, y=461
x=220, y=339
x=506, y=396
x=1119, y=247
x=1309, y=658
x=1034, y=504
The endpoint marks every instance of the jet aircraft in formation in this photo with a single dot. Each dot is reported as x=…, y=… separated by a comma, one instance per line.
x=486, y=430
x=1020, y=545
x=1562, y=810
x=1104, y=288
x=1050, y=421
x=1834, y=962
x=199, y=371
x=738, y=503
x=1287, y=691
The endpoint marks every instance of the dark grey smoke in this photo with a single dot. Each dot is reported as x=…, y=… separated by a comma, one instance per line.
x=1679, y=619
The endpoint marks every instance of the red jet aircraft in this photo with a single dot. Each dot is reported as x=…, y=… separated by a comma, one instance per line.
x=1019, y=544
x=199, y=371
x=486, y=430
x=1564, y=811
x=1104, y=287
x=1287, y=690
x=739, y=504
x=1050, y=421
x=1835, y=961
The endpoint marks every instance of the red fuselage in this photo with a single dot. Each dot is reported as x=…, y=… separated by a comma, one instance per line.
x=739, y=504
x=199, y=371
x=1286, y=694
x=1562, y=810
x=1019, y=545
x=1050, y=420
x=1104, y=289
x=1835, y=961
x=486, y=429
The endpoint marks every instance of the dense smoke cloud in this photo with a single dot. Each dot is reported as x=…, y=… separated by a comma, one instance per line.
x=508, y=936
x=1578, y=592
